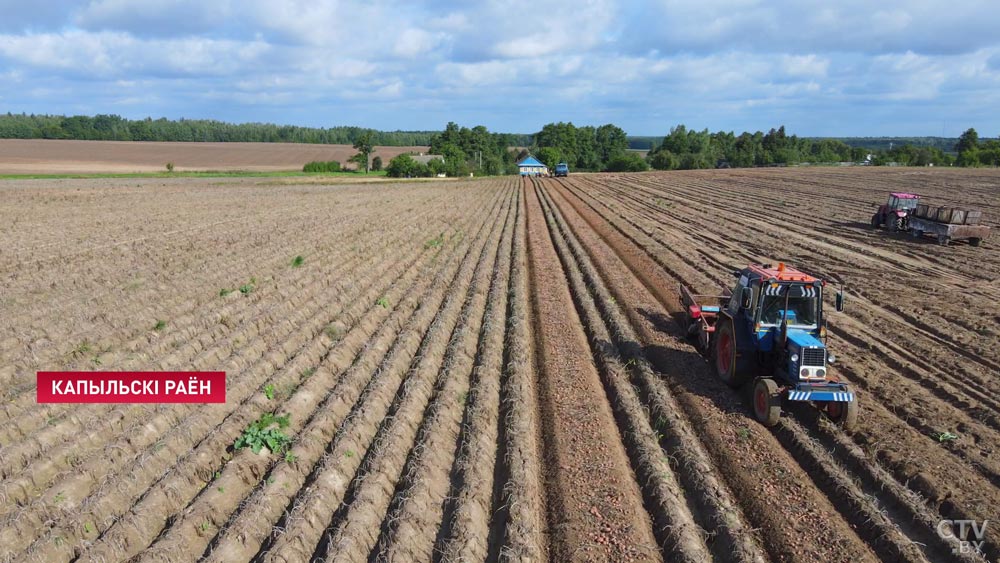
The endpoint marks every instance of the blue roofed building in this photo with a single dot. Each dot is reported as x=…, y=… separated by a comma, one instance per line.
x=530, y=166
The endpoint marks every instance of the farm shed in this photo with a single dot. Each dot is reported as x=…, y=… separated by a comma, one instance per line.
x=530, y=166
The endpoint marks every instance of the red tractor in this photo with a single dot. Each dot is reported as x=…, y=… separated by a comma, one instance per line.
x=895, y=214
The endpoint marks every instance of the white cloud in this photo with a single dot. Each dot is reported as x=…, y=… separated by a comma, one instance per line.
x=647, y=66
x=469, y=75
x=413, y=43
x=805, y=65
x=154, y=17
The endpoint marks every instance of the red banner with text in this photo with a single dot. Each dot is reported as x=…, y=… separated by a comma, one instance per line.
x=131, y=387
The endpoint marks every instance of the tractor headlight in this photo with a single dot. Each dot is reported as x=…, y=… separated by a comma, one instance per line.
x=831, y=358
x=821, y=373
x=795, y=358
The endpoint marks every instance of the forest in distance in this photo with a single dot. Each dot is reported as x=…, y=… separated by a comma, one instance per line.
x=584, y=148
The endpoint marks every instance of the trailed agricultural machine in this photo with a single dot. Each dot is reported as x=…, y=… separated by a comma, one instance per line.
x=905, y=212
x=770, y=328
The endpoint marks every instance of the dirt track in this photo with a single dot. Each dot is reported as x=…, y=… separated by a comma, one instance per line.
x=487, y=369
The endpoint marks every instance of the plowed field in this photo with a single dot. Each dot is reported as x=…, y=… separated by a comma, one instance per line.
x=488, y=369
x=58, y=156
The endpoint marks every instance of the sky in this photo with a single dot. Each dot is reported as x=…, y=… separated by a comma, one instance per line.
x=833, y=68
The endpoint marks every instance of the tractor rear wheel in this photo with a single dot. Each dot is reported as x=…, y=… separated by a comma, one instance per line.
x=723, y=354
x=844, y=415
x=766, y=401
x=975, y=241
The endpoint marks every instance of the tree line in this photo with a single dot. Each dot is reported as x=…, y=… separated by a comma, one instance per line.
x=688, y=149
x=587, y=148
x=116, y=128
x=973, y=152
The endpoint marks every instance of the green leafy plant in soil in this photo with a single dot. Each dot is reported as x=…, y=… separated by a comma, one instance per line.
x=265, y=431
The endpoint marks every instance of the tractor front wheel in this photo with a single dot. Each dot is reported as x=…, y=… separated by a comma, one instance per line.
x=876, y=221
x=723, y=354
x=766, y=401
x=844, y=415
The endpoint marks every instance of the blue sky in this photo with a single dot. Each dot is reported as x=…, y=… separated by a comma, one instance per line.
x=841, y=68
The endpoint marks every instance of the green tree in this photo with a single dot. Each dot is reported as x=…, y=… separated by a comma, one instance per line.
x=377, y=164
x=402, y=166
x=627, y=162
x=968, y=141
x=664, y=160
x=549, y=156
x=610, y=141
x=363, y=144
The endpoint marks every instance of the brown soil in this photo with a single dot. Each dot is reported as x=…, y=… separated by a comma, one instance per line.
x=595, y=509
x=487, y=369
x=54, y=156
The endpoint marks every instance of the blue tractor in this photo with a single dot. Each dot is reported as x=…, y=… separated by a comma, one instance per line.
x=562, y=169
x=770, y=330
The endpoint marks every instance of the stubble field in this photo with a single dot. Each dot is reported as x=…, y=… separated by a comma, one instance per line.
x=487, y=369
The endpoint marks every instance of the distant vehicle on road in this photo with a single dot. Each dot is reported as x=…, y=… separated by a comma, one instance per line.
x=562, y=169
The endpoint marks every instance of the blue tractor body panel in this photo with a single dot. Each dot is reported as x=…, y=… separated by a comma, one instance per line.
x=803, y=339
x=805, y=392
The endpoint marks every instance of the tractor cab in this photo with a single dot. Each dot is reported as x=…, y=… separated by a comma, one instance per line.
x=895, y=213
x=776, y=305
x=899, y=201
x=773, y=330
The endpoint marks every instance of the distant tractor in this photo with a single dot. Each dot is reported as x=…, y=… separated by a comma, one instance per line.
x=770, y=330
x=562, y=169
x=904, y=212
x=895, y=214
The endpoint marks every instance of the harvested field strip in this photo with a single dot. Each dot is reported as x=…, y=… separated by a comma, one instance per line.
x=96, y=436
x=943, y=374
x=297, y=301
x=423, y=430
x=898, y=497
x=975, y=455
x=595, y=504
x=709, y=500
x=403, y=267
x=958, y=418
x=185, y=536
x=179, y=332
x=225, y=259
x=468, y=508
x=471, y=389
x=311, y=510
x=251, y=526
x=324, y=341
x=889, y=528
x=518, y=528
